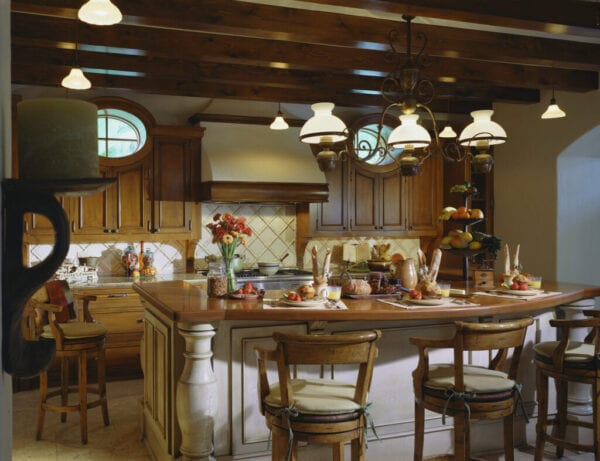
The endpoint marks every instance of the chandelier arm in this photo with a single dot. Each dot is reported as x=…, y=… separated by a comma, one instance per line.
x=435, y=129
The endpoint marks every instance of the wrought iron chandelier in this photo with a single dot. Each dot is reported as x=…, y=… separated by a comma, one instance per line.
x=409, y=144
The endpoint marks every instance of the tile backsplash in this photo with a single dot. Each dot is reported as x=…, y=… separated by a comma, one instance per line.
x=274, y=235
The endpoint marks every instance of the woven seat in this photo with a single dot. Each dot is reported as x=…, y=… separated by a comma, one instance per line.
x=466, y=391
x=51, y=316
x=568, y=362
x=317, y=410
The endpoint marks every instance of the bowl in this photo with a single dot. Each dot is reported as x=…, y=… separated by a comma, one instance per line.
x=268, y=268
x=379, y=265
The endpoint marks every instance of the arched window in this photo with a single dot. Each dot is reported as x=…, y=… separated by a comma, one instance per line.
x=120, y=133
x=123, y=130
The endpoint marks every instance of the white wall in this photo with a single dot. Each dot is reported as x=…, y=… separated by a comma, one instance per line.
x=544, y=186
x=5, y=146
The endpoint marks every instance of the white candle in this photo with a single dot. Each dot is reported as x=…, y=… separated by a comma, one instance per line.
x=58, y=139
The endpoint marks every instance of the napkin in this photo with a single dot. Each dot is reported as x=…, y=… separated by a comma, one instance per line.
x=406, y=304
x=497, y=294
x=277, y=304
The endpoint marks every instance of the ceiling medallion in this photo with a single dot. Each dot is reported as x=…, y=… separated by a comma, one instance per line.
x=408, y=144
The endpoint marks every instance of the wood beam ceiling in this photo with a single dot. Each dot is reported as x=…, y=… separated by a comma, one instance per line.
x=243, y=50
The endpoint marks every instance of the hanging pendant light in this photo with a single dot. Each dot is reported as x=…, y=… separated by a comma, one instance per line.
x=448, y=132
x=553, y=111
x=100, y=13
x=279, y=123
x=76, y=80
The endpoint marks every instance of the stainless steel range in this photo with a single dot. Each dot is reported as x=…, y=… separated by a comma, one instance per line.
x=284, y=279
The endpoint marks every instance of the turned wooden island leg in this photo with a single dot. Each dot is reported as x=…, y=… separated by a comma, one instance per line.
x=196, y=398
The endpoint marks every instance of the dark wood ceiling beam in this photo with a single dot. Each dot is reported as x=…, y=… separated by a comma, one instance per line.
x=287, y=24
x=234, y=50
x=283, y=78
x=553, y=16
x=39, y=74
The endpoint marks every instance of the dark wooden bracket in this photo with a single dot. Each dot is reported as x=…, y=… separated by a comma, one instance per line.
x=21, y=357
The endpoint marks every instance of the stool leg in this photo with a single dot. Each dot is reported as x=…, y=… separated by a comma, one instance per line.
x=338, y=451
x=102, y=385
x=64, y=386
x=83, y=407
x=542, y=422
x=560, y=428
x=460, y=438
x=419, y=431
x=509, y=453
x=357, y=449
x=43, y=396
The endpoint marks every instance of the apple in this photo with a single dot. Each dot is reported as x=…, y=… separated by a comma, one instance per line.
x=458, y=242
x=306, y=291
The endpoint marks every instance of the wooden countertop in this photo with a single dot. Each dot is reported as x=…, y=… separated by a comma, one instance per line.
x=185, y=302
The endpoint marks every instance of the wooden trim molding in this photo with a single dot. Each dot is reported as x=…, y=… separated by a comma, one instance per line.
x=273, y=192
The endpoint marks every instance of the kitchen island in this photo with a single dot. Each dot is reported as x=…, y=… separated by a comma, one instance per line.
x=200, y=397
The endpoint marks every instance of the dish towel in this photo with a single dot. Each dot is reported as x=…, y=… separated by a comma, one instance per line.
x=277, y=304
x=498, y=294
x=408, y=304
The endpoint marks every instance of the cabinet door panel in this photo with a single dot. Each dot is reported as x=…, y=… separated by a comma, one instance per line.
x=365, y=194
x=172, y=184
x=392, y=204
x=96, y=213
x=37, y=225
x=333, y=215
x=131, y=212
x=425, y=198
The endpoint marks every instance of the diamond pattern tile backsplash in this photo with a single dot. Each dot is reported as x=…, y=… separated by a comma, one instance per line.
x=274, y=235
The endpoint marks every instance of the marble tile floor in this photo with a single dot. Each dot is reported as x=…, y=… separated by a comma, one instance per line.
x=121, y=439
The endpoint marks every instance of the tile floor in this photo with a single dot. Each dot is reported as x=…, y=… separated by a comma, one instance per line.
x=120, y=440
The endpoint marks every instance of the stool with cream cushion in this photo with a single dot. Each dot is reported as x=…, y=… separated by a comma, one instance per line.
x=467, y=391
x=317, y=410
x=568, y=361
x=83, y=340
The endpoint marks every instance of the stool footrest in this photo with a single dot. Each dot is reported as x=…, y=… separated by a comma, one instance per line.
x=569, y=445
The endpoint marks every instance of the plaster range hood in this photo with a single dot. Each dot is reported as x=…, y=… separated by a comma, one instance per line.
x=251, y=163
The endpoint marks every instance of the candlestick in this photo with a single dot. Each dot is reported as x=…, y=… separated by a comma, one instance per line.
x=58, y=139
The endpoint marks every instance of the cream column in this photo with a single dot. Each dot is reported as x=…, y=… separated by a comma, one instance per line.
x=580, y=399
x=196, y=397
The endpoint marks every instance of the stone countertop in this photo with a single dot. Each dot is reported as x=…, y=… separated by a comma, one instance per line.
x=124, y=281
x=184, y=302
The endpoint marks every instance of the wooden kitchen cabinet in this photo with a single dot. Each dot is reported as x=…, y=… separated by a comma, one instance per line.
x=175, y=179
x=376, y=202
x=153, y=194
x=369, y=202
x=121, y=311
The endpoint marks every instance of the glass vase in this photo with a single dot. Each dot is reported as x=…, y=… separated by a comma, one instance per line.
x=230, y=275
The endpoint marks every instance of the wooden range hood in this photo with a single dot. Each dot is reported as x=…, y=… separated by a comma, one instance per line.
x=244, y=161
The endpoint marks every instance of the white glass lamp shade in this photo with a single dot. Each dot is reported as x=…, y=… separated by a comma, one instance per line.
x=279, y=123
x=323, y=126
x=100, y=13
x=482, y=130
x=553, y=111
x=409, y=134
x=76, y=80
x=448, y=132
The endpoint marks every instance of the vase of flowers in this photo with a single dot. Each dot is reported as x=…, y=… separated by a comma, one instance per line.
x=228, y=233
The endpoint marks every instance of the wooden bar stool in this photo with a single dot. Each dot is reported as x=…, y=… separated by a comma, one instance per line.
x=317, y=410
x=82, y=340
x=467, y=391
x=568, y=361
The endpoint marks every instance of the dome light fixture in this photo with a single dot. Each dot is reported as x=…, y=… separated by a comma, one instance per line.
x=100, y=13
